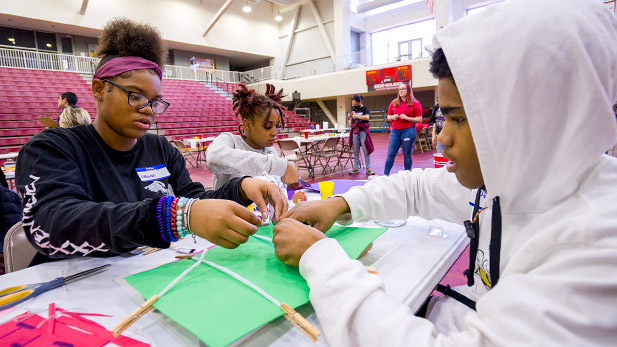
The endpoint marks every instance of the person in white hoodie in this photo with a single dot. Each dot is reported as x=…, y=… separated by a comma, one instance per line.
x=527, y=98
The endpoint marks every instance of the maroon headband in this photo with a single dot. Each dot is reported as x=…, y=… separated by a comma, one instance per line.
x=119, y=65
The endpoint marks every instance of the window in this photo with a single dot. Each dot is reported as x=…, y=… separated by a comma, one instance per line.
x=21, y=38
x=475, y=10
x=379, y=44
x=353, y=5
x=17, y=37
x=402, y=43
x=46, y=41
x=392, y=6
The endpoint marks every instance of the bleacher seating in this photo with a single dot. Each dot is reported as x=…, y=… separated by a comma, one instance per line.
x=27, y=94
x=196, y=108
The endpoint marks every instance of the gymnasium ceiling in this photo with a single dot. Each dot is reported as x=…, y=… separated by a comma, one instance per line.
x=235, y=58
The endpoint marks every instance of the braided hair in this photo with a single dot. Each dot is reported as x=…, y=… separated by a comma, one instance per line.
x=248, y=104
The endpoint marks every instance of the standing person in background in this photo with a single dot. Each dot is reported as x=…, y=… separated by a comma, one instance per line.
x=251, y=153
x=360, y=134
x=71, y=114
x=403, y=113
x=437, y=120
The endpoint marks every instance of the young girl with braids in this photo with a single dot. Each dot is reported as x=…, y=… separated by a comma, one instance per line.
x=106, y=188
x=251, y=153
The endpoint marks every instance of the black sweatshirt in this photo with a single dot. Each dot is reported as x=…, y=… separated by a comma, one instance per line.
x=82, y=197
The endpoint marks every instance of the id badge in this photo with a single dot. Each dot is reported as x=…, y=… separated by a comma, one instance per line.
x=152, y=173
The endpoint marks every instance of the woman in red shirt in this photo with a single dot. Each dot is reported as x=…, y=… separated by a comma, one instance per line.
x=403, y=113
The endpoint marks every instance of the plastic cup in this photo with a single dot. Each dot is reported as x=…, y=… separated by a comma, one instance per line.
x=326, y=188
x=306, y=134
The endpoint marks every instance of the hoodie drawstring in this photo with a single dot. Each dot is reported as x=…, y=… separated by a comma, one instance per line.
x=495, y=245
x=473, y=231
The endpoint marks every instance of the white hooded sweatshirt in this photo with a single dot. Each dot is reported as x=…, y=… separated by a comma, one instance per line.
x=537, y=79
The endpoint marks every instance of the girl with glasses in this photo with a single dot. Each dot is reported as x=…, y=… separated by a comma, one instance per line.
x=403, y=113
x=252, y=152
x=109, y=187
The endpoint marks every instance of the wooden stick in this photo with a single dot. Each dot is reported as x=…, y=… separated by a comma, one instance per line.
x=134, y=316
x=300, y=322
x=185, y=256
x=371, y=270
x=152, y=251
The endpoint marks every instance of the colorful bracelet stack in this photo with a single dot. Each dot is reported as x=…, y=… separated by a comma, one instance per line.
x=172, y=216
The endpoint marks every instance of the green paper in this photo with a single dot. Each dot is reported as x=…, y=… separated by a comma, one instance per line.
x=219, y=309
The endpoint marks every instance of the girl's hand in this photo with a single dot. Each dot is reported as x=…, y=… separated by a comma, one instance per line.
x=261, y=192
x=291, y=174
x=223, y=222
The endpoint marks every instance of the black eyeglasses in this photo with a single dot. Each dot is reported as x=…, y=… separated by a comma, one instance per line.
x=139, y=101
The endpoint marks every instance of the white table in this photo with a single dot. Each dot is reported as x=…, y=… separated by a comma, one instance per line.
x=10, y=178
x=198, y=144
x=311, y=131
x=407, y=259
x=11, y=155
x=311, y=146
x=195, y=143
x=315, y=139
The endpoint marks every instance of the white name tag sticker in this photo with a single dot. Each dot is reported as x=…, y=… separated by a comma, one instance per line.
x=152, y=173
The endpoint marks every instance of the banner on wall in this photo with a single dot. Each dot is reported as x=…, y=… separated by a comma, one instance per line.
x=387, y=78
x=202, y=63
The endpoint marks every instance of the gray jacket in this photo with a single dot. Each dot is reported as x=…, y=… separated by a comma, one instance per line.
x=229, y=156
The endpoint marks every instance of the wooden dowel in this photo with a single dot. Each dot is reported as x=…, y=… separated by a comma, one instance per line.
x=134, y=316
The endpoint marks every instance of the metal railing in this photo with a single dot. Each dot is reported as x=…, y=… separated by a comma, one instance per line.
x=63, y=62
x=46, y=61
x=200, y=74
x=86, y=65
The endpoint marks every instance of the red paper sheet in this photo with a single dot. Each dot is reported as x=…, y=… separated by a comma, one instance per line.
x=62, y=328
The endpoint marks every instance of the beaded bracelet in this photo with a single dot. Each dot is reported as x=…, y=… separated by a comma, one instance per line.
x=172, y=218
x=186, y=216
x=179, y=225
x=189, y=205
x=159, y=218
x=167, y=210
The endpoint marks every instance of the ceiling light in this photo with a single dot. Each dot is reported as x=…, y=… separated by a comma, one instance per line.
x=278, y=17
x=11, y=39
x=48, y=45
x=246, y=8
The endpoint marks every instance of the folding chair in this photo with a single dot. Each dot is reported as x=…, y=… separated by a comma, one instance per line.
x=422, y=140
x=291, y=151
x=345, y=152
x=18, y=251
x=186, y=153
x=327, y=152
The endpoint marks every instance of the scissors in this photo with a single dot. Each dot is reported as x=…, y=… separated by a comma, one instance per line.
x=12, y=296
